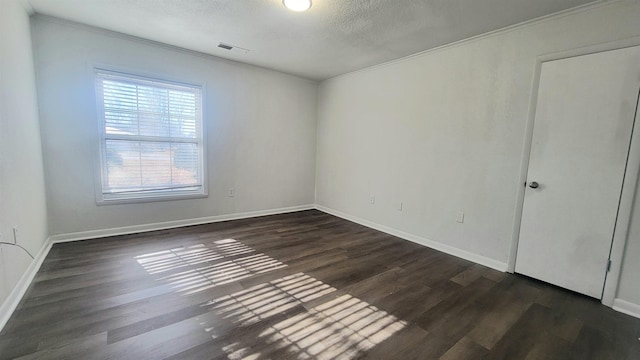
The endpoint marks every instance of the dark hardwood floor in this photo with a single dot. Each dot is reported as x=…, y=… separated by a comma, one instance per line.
x=298, y=286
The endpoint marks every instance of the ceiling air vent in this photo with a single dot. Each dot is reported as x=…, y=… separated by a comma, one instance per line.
x=235, y=49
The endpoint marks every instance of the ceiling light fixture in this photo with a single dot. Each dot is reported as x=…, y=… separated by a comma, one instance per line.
x=297, y=5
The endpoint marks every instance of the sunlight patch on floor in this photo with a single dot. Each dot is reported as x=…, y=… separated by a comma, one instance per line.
x=222, y=271
x=166, y=260
x=339, y=328
x=265, y=300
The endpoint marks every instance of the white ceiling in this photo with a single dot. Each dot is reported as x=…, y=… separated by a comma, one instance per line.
x=332, y=38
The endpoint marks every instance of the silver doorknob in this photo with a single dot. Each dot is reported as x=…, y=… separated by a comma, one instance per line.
x=533, y=185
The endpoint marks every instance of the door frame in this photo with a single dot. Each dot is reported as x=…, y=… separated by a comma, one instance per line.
x=629, y=183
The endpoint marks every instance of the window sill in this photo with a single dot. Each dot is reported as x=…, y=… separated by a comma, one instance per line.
x=137, y=199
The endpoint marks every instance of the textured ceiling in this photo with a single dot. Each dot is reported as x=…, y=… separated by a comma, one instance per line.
x=333, y=38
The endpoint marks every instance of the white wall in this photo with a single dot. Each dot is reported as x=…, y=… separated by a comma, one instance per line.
x=443, y=132
x=260, y=125
x=22, y=191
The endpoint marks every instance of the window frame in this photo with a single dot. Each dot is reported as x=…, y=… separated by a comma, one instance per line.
x=101, y=154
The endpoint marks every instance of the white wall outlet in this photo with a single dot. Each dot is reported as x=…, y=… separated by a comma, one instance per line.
x=399, y=208
x=231, y=192
x=460, y=217
x=372, y=199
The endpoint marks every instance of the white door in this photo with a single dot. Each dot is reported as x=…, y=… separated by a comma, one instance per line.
x=584, y=117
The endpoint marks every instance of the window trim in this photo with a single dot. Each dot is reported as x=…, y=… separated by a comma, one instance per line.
x=100, y=157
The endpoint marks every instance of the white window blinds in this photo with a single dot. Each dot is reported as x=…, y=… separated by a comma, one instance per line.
x=151, y=143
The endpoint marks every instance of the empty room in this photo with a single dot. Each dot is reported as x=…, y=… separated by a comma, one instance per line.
x=319, y=179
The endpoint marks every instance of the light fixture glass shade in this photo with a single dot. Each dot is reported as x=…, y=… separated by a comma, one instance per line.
x=297, y=5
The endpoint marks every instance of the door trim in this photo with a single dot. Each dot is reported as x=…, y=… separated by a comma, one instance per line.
x=629, y=182
x=625, y=209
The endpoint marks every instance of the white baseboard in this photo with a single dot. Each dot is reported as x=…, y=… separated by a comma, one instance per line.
x=11, y=302
x=125, y=230
x=626, y=307
x=479, y=259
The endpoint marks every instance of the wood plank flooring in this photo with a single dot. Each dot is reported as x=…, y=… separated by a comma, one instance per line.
x=305, y=285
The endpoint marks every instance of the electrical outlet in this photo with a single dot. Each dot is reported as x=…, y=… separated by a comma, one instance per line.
x=460, y=217
x=399, y=208
x=231, y=192
x=372, y=200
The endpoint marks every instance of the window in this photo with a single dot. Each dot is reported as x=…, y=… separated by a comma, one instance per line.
x=151, y=138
